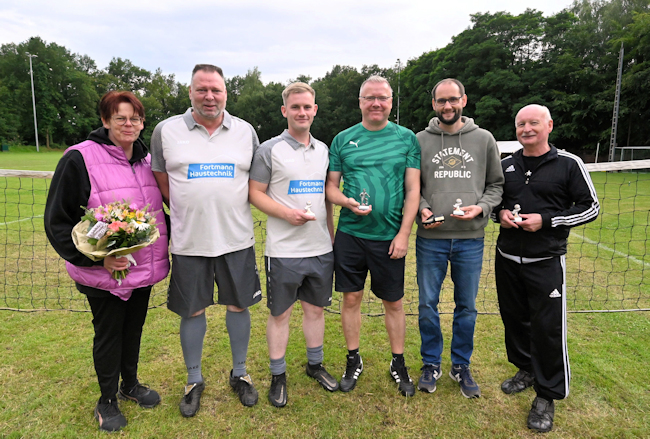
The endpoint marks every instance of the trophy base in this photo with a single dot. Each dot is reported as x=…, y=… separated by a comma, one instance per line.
x=518, y=220
x=458, y=212
x=364, y=208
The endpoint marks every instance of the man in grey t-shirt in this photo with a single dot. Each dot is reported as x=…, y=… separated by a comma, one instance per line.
x=201, y=160
x=287, y=182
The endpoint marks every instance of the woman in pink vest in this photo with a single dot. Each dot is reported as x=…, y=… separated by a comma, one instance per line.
x=113, y=164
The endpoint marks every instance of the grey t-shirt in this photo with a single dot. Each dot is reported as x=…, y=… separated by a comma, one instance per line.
x=295, y=174
x=208, y=183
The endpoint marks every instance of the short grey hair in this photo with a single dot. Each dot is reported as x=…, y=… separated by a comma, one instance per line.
x=376, y=79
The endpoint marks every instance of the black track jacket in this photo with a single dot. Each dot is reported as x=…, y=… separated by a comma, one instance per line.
x=560, y=189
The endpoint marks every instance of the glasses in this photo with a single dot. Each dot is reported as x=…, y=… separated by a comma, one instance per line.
x=453, y=101
x=373, y=98
x=121, y=120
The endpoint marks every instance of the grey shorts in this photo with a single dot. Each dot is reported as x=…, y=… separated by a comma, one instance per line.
x=292, y=279
x=191, y=286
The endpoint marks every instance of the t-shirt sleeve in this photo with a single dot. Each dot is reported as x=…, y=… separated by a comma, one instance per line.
x=256, y=140
x=413, y=154
x=158, y=163
x=261, y=167
x=335, y=159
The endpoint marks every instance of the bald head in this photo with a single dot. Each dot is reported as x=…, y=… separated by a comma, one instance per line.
x=533, y=125
x=535, y=108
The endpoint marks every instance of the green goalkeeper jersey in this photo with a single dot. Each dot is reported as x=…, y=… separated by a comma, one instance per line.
x=375, y=161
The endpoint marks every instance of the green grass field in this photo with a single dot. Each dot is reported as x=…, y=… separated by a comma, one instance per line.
x=49, y=386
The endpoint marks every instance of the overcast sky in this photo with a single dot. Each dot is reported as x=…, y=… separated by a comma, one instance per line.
x=284, y=38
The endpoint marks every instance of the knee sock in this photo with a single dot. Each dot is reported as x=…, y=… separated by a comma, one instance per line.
x=315, y=355
x=239, y=331
x=278, y=367
x=192, y=334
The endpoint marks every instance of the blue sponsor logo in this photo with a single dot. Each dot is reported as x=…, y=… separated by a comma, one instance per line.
x=210, y=170
x=297, y=187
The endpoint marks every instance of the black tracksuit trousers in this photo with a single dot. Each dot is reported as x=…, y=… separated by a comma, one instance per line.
x=532, y=302
x=116, y=346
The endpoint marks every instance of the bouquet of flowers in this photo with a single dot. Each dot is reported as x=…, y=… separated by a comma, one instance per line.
x=116, y=229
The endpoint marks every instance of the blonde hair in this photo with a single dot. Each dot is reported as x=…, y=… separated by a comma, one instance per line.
x=297, y=87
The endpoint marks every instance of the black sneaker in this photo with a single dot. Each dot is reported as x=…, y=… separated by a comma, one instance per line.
x=353, y=369
x=191, y=400
x=462, y=374
x=140, y=393
x=243, y=386
x=109, y=416
x=518, y=383
x=541, y=415
x=430, y=374
x=319, y=373
x=401, y=376
x=278, y=390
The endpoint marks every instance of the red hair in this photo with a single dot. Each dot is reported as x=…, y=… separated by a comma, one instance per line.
x=110, y=102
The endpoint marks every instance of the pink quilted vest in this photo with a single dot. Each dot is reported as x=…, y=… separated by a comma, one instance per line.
x=113, y=178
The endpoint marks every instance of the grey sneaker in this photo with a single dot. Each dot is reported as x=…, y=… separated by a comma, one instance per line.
x=541, y=415
x=430, y=374
x=353, y=369
x=518, y=383
x=462, y=374
x=243, y=386
x=400, y=374
x=191, y=400
x=321, y=375
x=109, y=416
x=278, y=390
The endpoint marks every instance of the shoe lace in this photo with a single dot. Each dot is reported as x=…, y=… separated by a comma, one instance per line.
x=111, y=409
x=403, y=372
x=466, y=375
x=351, y=366
x=138, y=389
x=428, y=372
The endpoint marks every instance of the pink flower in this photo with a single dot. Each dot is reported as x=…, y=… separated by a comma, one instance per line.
x=133, y=206
x=116, y=226
x=99, y=216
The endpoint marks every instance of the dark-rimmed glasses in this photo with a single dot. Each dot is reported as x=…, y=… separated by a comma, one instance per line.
x=453, y=101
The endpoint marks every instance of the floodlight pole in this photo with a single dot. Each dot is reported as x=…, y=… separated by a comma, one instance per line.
x=399, y=71
x=31, y=75
x=617, y=100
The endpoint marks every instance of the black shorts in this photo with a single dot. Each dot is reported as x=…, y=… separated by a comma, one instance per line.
x=191, y=285
x=354, y=257
x=291, y=279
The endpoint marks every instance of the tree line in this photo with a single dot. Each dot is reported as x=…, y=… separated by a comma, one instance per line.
x=567, y=61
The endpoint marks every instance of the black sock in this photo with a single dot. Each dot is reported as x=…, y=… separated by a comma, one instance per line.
x=398, y=359
x=353, y=353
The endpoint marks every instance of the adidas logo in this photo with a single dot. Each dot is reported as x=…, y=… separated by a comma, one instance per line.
x=555, y=294
x=257, y=293
x=510, y=168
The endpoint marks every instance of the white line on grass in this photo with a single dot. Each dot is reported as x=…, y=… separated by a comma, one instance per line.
x=24, y=219
x=616, y=252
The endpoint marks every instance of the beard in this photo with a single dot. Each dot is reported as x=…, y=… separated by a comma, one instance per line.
x=453, y=120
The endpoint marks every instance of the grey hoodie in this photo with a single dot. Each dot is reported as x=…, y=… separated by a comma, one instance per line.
x=463, y=165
